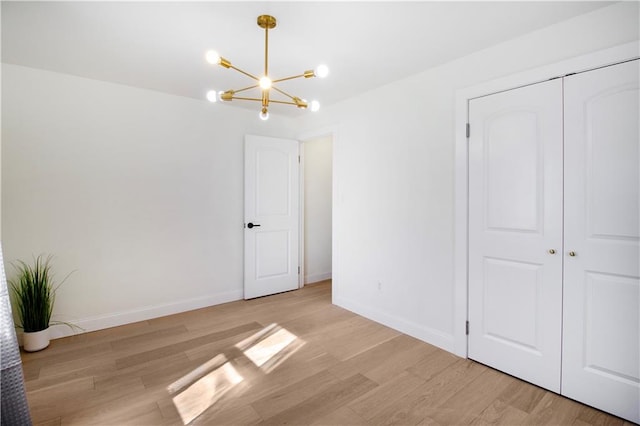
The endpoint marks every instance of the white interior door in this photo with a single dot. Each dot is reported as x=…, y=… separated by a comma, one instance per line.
x=515, y=232
x=601, y=348
x=271, y=216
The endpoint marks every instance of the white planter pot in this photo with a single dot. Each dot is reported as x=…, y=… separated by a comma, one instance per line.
x=35, y=341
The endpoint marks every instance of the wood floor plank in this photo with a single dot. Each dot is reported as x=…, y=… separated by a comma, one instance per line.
x=211, y=349
x=353, y=337
x=398, y=361
x=141, y=340
x=51, y=422
x=337, y=369
x=174, y=348
x=37, y=384
x=161, y=370
x=500, y=413
x=244, y=415
x=45, y=405
x=556, y=407
x=304, y=364
x=84, y=340
x=67, y=388
x=432, y=364
x=168, y=410
x=78, y=355
x=318, y=320
x=472, y=397
x=377, y=356
x=89, y=362
x=324, y=402
x=342, y=416
x=420, y=403
x=294, y=394
x=117, y=413
x=521, y=395
x=595, y=417
x=385, y=396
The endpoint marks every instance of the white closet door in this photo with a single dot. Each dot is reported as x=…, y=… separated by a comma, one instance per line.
x=515, y=232
x=601, y=343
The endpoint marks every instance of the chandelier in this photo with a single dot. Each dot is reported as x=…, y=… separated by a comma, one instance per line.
x=264, y=83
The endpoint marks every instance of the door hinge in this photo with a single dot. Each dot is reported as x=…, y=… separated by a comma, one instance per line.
x=298, y=159
x=466, y=328
x=468, y=130
x=298, y=270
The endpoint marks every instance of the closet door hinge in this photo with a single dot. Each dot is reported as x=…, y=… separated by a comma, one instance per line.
x=466, y=328
x=298, y=270
x=468, y=130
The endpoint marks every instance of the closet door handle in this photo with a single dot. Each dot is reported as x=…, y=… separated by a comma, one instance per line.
x=572, y=253
x=552, y=251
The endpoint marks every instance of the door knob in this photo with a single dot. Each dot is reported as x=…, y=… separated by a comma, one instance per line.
x=552, y=251
x=572, y=253
x=251, y=225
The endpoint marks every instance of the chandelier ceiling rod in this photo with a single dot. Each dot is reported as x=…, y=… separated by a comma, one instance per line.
x=265, y=83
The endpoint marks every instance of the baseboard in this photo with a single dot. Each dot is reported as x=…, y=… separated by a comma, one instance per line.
x=433, y=337
x=309, y=279
x=100, y=322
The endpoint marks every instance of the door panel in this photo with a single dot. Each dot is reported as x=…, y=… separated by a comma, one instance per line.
x=513, y=204
x=510, y=323
x=601, y=346
x=515, y=218
x=271, y=245
x=611, y=301
x=271, y=203
x=272, y=182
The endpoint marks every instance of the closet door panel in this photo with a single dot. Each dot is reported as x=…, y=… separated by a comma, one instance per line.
x=515, y=219
x=601, y=310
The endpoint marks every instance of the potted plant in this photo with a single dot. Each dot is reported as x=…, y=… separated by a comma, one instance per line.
x=34, y=292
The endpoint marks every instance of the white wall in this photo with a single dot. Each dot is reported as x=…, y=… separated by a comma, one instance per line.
x=317, y=208
x=394, y=172
x=139, y=192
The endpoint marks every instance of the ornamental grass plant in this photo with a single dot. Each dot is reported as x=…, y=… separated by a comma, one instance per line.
x=34, y=292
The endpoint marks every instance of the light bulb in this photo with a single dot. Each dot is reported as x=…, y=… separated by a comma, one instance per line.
x=321, y=71
x=212, y=96
x=315, y=105
x=265, y=82
x=213, y=57
x=264, y=114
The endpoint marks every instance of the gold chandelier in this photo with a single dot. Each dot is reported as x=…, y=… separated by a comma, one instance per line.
x=265, y=83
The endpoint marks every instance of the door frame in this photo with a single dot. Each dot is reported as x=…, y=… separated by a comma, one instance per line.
x=331, y=131
x=624, y=52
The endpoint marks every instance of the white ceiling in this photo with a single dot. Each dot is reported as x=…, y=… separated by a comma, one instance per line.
x=161, y=45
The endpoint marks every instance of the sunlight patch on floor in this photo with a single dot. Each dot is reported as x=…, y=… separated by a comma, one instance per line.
x=202, y=388
x=270, y=347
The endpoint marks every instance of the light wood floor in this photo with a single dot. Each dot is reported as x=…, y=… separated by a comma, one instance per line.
x=319, y=364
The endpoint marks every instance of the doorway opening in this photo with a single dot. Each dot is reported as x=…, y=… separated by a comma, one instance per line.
x=316, y=170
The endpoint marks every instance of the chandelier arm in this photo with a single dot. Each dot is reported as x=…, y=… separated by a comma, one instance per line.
x=283, y=102
x=240, y=98
x=246, y=88
x=283, y=92
x=287, y=78
x=245, y=73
